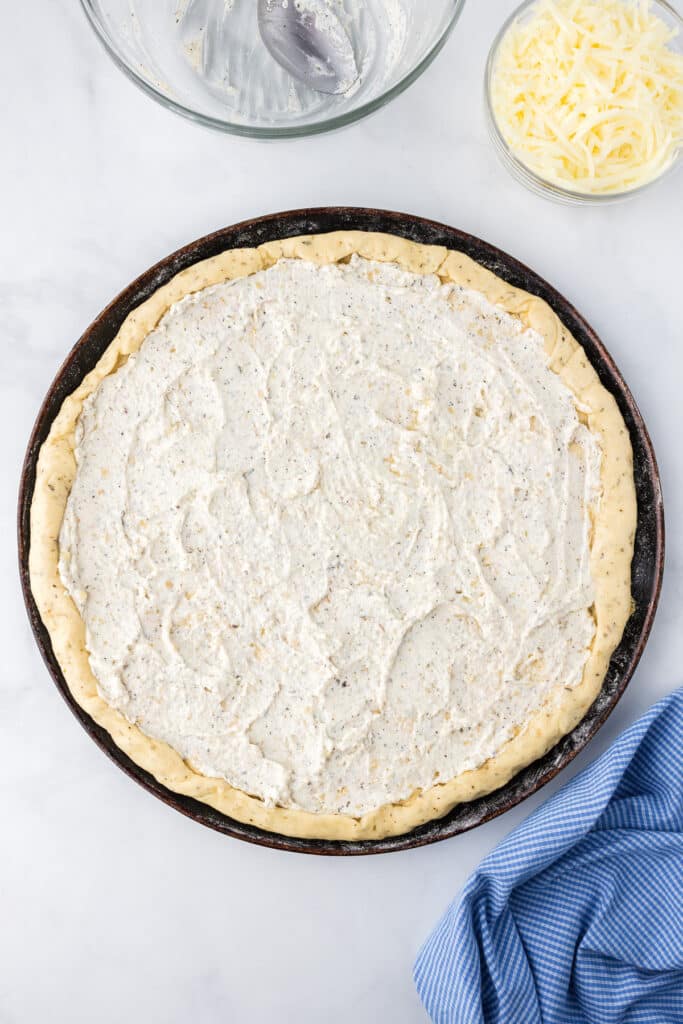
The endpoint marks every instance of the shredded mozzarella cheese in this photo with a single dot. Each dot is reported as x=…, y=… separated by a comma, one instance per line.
x=589, y=95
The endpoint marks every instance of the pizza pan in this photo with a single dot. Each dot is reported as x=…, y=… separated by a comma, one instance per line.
x=648, y=561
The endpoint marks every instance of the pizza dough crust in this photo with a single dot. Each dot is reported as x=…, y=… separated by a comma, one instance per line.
x=611, y=547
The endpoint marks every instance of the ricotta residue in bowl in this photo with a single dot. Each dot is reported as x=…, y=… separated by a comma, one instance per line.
x=330, y=533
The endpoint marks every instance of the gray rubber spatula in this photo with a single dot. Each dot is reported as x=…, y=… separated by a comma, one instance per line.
x=308, y=40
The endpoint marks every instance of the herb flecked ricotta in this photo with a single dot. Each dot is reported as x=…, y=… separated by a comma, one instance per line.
x=330, y=533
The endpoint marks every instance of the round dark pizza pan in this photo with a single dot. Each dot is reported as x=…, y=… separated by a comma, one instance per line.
x=648, y=559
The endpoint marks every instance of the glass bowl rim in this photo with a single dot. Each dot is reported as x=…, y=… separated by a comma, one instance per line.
x=251, y=131
x=535, y=182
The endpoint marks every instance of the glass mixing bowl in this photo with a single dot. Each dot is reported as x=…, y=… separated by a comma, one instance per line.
x=205, y=60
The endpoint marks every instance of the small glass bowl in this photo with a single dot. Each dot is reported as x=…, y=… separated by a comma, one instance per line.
x=204, y=59
x=521, y=171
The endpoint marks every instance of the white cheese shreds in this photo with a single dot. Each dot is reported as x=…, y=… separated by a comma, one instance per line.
x=589, y=95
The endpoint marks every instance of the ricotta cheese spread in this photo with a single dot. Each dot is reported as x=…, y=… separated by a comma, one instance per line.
x=330, y=532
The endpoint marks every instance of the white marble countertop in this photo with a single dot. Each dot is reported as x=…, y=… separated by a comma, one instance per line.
x=113, y=906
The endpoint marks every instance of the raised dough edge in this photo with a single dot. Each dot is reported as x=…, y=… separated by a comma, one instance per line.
x=611, y=549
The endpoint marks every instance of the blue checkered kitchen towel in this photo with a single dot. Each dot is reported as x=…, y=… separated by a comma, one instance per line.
x=578, y=915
